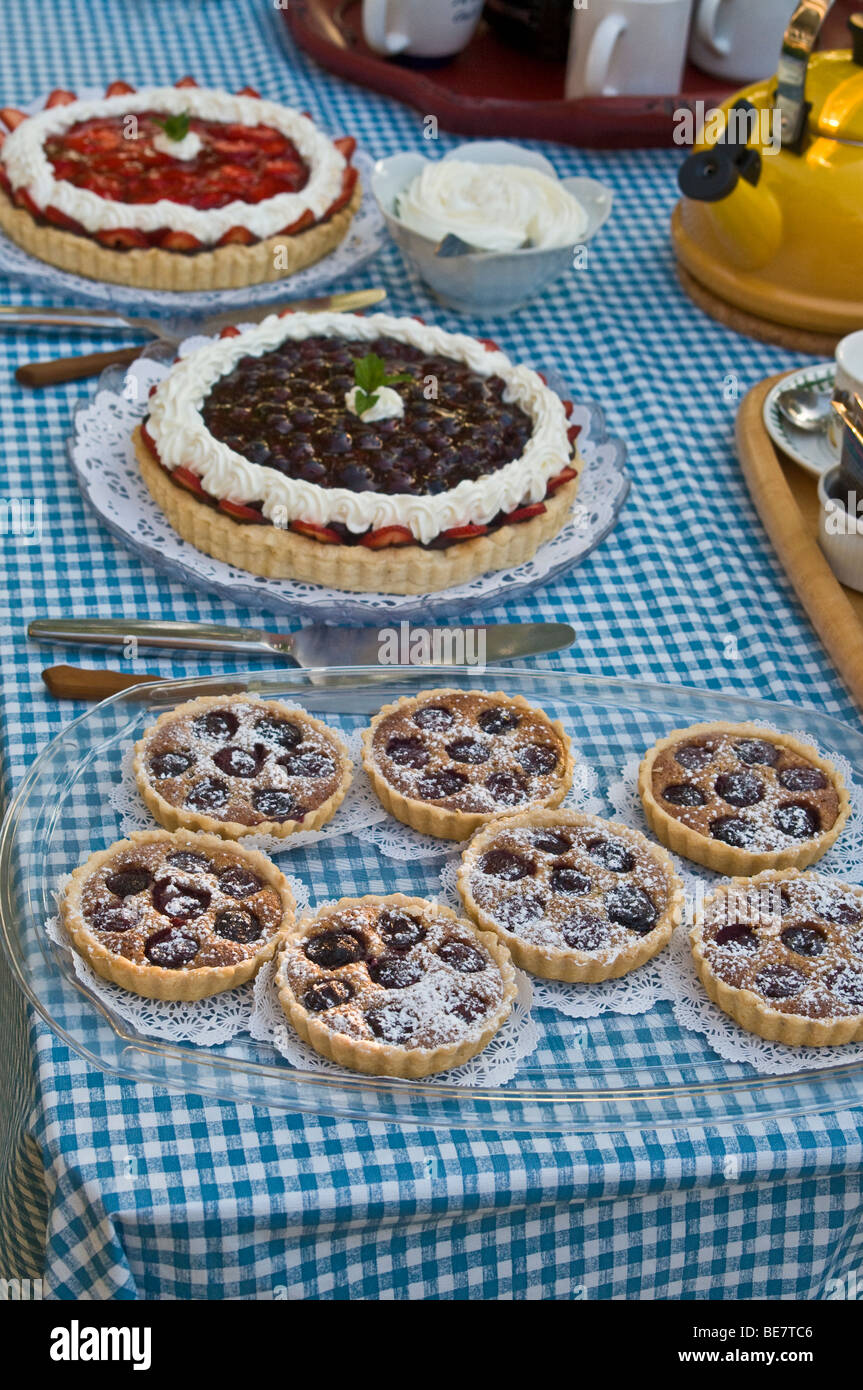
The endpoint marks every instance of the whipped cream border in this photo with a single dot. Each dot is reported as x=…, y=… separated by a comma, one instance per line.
x=23, y=155
x=183, y=440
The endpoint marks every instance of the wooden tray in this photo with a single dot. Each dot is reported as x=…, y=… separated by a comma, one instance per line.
x=786, y=498
x=493, y=88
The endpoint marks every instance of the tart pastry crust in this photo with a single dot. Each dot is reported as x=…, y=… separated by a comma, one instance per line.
x=381, y=1057
x=546, y=953
x=827, y=1008
x=186, y=983
x=731, y=859
x=223, y=268
x=449, y=822
x=275, y=553
x=174, y=816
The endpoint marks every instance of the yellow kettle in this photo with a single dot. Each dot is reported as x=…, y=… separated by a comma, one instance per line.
x=771, y=219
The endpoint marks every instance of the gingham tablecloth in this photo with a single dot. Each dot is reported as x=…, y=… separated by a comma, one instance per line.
x=225, y=1200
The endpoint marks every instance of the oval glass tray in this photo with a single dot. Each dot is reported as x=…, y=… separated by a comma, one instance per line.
x=104, y=463
x=608, y=1072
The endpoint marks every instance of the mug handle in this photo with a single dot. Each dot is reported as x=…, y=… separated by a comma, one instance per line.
x=600, y=54
x=376, y=28
x=705, y=27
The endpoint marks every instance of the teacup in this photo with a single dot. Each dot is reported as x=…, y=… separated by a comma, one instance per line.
x=419, y=29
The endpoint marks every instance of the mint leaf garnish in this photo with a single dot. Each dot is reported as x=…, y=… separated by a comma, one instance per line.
x=175, y=127
x=370, y=374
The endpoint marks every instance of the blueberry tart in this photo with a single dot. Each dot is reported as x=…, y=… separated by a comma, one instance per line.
x=447, y=761
x=394, y=986
x=241, y=766
x=782, y=954
x=573, y=897
x=174, y=188
x=176, y=916
x=365, y=453
x=739, y=799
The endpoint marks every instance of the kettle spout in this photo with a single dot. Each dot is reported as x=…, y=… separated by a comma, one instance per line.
x=744, y=215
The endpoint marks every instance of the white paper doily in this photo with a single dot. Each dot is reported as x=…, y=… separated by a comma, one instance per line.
x=635, y=993
x=494, y=1066
x=844, y=860
x=398, y=841
x=359, y=810
x=205, y=1022
x=695, y=1011
x=364, y=239
x=102, y=457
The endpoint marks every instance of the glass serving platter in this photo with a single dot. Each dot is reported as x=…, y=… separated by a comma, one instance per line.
x=610, y=1072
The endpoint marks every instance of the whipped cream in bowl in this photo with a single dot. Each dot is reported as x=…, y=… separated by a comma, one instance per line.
x=508, y=224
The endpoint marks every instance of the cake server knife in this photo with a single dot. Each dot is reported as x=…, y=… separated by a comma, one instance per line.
x=76, y=368
x=316, y=646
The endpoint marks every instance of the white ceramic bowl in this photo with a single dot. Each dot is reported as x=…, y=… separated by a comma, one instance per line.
x=840, y=536
x=485, y=283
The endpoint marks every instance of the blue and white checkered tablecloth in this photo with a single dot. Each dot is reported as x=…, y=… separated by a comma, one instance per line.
x=152, y=1194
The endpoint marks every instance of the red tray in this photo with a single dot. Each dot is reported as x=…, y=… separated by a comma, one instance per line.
x=494, y=89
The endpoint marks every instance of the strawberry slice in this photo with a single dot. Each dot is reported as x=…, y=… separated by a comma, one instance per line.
x=300, y=225
x=179, y=241
x=573, y=432
x=248, y=92
x=568, y=408
x=149, y=441
x=386, y=536
x=59, y=97
x=240, y=512
x=346, y=144
x=61, y=220
x=566, y=476
x=118, y=89
x=122, y=238
x=229, y=331
x=152, y=391
x=526, y=513
x=12, y=117
x=543, y=378
x=189, y=480
x=349, y=183
x=23, y=199
x=464, y=533
x=186, y=82
x=490, y=344
x=237, y=235
x=317, y=533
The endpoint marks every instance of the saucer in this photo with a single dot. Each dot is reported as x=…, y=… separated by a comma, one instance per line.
x=814, y=452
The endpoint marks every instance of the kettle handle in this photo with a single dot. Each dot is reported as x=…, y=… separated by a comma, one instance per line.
x=798, y=44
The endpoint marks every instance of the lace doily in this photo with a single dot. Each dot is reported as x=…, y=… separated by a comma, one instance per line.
x=844, y=860
x=205, y=1022
x=364, y=239
x=494, y=1066
x=635, y=993
x=695, y=1011
x=102, y=457
x=358, y=812
x=398, y=841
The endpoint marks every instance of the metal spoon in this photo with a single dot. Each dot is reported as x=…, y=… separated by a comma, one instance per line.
x=805, y=408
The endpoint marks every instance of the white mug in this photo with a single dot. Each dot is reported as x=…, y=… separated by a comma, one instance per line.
x=420, y=28
x=740, y=40
x=627, y=46
x=849, y=380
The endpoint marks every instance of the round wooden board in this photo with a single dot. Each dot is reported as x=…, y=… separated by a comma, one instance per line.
x=786, y=498
x=751, y=326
